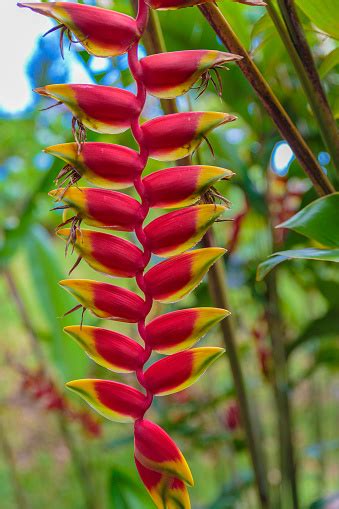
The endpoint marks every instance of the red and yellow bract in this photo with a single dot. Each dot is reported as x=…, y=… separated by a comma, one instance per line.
x=103, y=164
x=102, y=109
x=162, y=467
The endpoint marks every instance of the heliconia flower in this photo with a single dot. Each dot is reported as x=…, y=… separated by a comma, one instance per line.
x=101, y=32
x=178, y=330
x=180, y=370
x=110, y=349
x=175, y=136
x=155, y=449
x=115, y=401
x=105, y=300
x=162, y=5
x=173, y=279
x=106, y=253
x=167, y=492
x=187, y=184
x=102, y=109
x=177, y=231
x=168, y=75
x=101, y=207
x=104, y=164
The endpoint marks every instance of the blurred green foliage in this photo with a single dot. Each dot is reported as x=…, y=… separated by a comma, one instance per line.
x=307, y=289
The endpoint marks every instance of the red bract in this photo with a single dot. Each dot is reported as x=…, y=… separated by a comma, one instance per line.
x=103, y=164
x=187, y=184
x=102, y=32
x=160, y=463
x=101, y=207
x=176, y=136
x=103, y=109
x=168, y=75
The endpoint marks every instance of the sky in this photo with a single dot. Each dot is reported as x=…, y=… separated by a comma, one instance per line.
x=19, y=34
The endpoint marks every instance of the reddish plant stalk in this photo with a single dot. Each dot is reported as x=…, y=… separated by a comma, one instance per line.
x=135, y=68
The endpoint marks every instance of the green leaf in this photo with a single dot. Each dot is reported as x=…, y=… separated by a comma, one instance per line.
x=54, y=302
x=125, y=492
x=330, y=61
x=327, y=355
x=318, y=221
x=325, y=503
x=13, y=238
x=323, y=13
x=326, y=325
x=327, y=255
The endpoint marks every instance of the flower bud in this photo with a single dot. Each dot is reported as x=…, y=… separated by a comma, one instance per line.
x=173, y=137
x=103, y=164
x=177, y=231
x=180, y=370
x=106, y=300
x=101, y=32
x=110, y=349
x=187, y=184
x=106, y=253
x=178, y=330
x=115, y=401
x=173, y=279
x=167, y=492
x=155, y=449
x=169, y=75
x=102, y=208
x=106, y=110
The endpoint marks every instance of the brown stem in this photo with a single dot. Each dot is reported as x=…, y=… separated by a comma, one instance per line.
x=18, y=489
x=271, y=103
x=311, y=81
x=218, y=291
x=79, y=464
x=155, y=43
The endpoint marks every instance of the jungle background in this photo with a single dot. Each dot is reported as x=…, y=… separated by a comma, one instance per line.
x=54, y=451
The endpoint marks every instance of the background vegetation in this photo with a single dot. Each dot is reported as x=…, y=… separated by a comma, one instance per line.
x=57, y=453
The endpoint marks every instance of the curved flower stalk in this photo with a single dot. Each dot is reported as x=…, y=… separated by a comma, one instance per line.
x=161, y=465
x=179, y=4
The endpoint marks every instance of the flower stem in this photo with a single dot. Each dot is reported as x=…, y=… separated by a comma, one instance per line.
x=289, y=492
x=135, y=68
x=296, y=44
x=18, y=489
x=218, y=290
x=286, y=127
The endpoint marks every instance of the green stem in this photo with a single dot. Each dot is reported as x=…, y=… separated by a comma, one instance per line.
x=18, y=490
x=78, y=462
x=286, y=127
x=218, y=291
x=289, y=493
x=296, y=44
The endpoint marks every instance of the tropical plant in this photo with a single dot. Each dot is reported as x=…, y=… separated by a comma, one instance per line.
x=104, y=33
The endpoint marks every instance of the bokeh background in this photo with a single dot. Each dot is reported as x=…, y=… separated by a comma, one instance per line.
x=54, y=452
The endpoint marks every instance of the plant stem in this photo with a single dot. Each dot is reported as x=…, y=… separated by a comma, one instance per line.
x=18, y=490
x=78, y=462
x=281, y=385
x=218, y=290
x=154, y=43
x=301, y=55
x=269, y=100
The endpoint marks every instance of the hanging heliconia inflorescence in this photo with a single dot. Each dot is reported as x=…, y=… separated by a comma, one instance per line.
x=105, y=33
